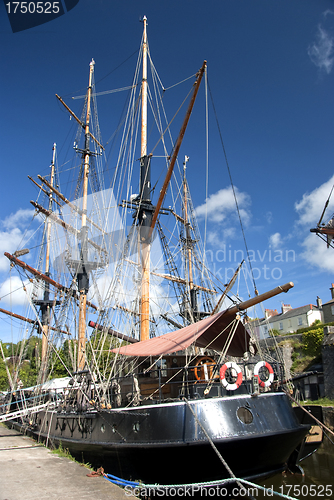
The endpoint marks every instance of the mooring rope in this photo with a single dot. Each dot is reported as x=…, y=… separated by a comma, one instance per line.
x=322, y=425
x=205, y=484
x=221, y=458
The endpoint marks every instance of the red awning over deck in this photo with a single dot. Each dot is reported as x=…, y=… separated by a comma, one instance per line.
x=211, y=332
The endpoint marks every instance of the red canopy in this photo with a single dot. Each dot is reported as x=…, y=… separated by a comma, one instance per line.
x=211, y=332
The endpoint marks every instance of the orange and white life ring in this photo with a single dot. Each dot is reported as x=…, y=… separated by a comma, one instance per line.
x=270, y=379
x=225, y=383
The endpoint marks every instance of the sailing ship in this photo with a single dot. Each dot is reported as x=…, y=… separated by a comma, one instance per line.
x=167, y=383
x=325, y=230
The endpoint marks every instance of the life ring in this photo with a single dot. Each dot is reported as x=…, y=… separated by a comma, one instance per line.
x=204, y=368
x=270, y=379
x=225, y=383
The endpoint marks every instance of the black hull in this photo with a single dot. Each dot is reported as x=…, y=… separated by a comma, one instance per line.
x=165, y=444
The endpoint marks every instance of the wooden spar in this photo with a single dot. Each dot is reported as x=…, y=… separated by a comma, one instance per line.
x=177, y=148
x=79, y=121
x=227, y=289
x=54, y=217
x=65, y=200
x=326, y=233
x=35, y=272
x=144, y=245
x=65, y=225
x=112, y=332
x=176, y=279
x=42, y=189
x=259, y=298
x=180, y=219
x=31, y=321
x=325, y=208
x=323, y=230
x=40, y=275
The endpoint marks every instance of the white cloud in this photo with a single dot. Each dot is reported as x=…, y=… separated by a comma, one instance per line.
x=221, y=205
x=275, y=240
x=316, y=253
x=9, y=242
x=12, y=235
x=321, y=52
x=310, y=207
x=217, y=238
x=18, y=219
x=13, y=293
x=269, y=217
x=327, y=13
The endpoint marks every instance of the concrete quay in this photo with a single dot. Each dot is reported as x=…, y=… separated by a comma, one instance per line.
x=29, y=471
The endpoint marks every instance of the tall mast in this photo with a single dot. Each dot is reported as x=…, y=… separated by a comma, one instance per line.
x=82, y=277
x=45, y=303
x=145, y=214
x=188, y=244
x=48, y=228
x=144, y=94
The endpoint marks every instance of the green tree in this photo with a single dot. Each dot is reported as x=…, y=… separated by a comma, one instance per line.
x=4, y=383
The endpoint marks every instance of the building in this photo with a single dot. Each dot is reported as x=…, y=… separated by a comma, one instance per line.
x=288, y=321
x=328, y=308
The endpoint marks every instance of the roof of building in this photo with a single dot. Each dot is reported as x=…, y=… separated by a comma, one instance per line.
x=298, y=311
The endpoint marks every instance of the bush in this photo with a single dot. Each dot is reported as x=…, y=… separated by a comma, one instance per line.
x=312, y=340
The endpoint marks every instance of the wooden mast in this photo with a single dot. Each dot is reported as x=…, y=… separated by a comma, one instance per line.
x=188, y=243
x=186, y=224
x=83, y=272
x=148, y=214
x=144, y=94
x=46, y=305
x=145, y=243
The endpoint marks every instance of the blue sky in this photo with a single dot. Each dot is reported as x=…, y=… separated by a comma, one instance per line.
x=270, y=70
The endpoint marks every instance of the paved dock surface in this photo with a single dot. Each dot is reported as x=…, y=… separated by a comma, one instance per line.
x=29, y=471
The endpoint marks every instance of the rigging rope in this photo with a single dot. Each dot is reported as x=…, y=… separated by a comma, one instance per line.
x=233, y=190
x=104, y=92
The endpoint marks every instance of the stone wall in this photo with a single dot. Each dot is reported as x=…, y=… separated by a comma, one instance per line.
x=286, y=350
x=328, y=415
x=327, y=352
x=272, y=341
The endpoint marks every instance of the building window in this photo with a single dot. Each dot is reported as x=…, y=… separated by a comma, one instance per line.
x=300, y=321
x=281, y=326
x=332, y=309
